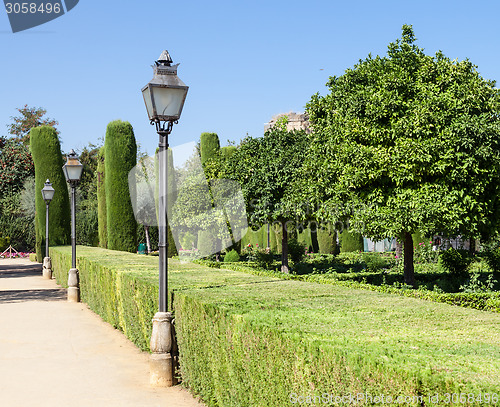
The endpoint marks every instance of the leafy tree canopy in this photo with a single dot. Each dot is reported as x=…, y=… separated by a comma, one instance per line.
x=266, y=167
x=406, y=142
x=29, y=118
x=16, y=165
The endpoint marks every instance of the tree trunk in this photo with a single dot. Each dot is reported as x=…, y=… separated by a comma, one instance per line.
x=399, y=248
x=148, y=242
x=409, y=273
x=472, y=246
x=284, y=249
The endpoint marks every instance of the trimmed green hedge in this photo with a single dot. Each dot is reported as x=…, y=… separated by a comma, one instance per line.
x=122, y=287
x=101, y=200
x=120, y=157
x=247, y=340
x=209, y=146
x=46, y=152
x=351, y=242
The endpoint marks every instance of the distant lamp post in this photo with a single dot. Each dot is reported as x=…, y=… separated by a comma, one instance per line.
x=47, y=194
x=73, y=172
x=164, y=97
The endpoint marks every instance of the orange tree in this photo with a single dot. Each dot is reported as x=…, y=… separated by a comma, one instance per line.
x=404, y=143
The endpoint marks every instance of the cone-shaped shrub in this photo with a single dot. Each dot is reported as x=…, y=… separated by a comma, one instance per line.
x=327, y=240
x=120, y=151
x=101, y=201
x=209, y=146
x=227, y=151
x=46, y=152
x=351, y=242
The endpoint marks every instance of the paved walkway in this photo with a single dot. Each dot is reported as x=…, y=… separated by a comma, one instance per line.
x=55, y=353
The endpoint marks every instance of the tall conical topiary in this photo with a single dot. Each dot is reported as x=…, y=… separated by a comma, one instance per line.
x=101, y=200
x=120, y=157
x=351, y=242
x=209, y=146
x=46, y=152
x=227, y=152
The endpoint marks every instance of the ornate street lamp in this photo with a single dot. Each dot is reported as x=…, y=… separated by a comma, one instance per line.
x=164, y=97
x=73, y=172
x=47, y=194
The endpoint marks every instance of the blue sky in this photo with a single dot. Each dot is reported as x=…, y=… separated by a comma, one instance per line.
x=243, y=61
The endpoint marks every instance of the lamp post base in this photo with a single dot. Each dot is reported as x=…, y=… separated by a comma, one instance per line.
x=161, y=362
x=47, y=268
x=73, y=286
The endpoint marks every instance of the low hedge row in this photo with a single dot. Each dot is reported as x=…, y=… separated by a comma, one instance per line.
x=480, y=301
x=122, y=287
x=248, y=340
x=261, y=345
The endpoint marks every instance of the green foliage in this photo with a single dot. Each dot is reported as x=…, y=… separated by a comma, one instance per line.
x=406, y=142
x=17, y=216
x=351, y=241
x=455, y=261
x=480, y=277
x=30, y=118
x=209, y=147
x=327, y=243
x=4, y=242
x=16, y=165
x=87, y=214
x=227, y=151
x=20, y=229
x=172, y=248
x=424, y=253
x=232, y=256
x=101, y=200
x=265, y=168
x=87, y=223
x=120, y=157
x=188, y=241
x=307, y=335
x=207, y=245
x=48, y=160
x=227, y=335
x=374, y=262
x=262, y=257
x=296, y=250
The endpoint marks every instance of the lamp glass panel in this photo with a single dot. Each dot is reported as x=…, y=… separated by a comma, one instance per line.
x=48, y=193
x=73, y=172
x=168, y=101
x=147, y=100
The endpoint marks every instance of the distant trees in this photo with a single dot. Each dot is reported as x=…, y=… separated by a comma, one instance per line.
x=16, y=177
x=29, y=118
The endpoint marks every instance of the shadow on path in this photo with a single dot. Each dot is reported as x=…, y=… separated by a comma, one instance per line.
x=35, y=294
x=13, y=296
x=21, y=270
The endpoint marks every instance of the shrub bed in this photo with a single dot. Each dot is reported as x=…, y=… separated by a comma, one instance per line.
x=249, y=340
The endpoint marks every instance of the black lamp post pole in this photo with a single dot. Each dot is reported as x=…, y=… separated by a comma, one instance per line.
x=163, y=130
x=47, y=229
x=73, y=227
x=163, y=208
